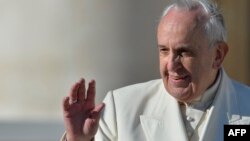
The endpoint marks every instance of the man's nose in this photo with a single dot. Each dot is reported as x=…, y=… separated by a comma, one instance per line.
x=173, y=63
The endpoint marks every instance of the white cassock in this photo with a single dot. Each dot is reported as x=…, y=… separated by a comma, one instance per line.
x=146, y=112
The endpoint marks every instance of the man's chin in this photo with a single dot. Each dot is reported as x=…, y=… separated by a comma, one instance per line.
x=181, y=94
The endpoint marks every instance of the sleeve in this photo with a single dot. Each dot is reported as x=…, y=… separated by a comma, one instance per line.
x=107, y=130
x=63, y=138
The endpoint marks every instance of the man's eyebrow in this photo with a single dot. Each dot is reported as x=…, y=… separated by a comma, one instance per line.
x=161, y=46
x=185, y=47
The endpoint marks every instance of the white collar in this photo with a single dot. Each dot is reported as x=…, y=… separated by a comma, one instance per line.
x=205, y=100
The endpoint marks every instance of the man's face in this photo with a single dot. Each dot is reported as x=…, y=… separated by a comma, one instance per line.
x=186, y=60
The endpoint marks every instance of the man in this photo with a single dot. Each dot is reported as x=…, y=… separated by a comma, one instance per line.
x=192, y=102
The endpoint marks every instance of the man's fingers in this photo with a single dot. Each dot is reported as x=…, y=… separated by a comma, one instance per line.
x=65, y=103
x=97, y=111
x=77, y=93
x=99, y=107
x=91, y=92
x=73, y=93
x=81, y=91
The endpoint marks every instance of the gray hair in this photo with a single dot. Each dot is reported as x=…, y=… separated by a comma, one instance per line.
x=214, y=27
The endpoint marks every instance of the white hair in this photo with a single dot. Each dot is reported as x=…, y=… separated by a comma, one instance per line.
x=214, y=26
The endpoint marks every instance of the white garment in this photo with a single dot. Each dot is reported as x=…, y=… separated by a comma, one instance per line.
x=195, y=112
x=146, y=112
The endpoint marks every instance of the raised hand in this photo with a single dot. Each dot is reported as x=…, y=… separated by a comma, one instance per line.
x=81, y=115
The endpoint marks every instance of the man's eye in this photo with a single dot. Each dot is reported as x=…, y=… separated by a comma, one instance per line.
x=185, y=53
x=163, y=50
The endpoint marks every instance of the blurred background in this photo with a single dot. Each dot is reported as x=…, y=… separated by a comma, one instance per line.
x=47, y=45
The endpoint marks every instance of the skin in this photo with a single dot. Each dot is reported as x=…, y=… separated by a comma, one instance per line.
x=188, y=66
x=81, y=118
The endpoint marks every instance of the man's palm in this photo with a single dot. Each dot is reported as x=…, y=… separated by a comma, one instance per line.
x=81, y=116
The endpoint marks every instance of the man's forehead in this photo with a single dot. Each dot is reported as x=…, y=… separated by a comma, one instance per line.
x=178, y=15
x=177, y=22
x=182, y=21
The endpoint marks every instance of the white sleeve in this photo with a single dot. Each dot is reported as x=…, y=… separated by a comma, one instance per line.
x=107, y=130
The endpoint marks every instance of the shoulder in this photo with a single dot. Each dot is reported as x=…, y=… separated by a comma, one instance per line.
x=135, y=94
x=139, y=86
x=234, y=86
x=148, y=86
x=242, y=92
x=241, y=89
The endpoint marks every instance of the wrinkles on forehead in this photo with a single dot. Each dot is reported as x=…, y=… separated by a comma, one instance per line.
x=185, y=21
x=182, y=26
x=196, y=14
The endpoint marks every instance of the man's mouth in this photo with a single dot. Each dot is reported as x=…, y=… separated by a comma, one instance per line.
x=179, y=80
x=178, y=77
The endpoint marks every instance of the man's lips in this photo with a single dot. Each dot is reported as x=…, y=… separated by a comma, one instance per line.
x=179, y=81
x=178, y=77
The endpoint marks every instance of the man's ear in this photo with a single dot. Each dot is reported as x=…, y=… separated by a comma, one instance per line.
x=221, y=52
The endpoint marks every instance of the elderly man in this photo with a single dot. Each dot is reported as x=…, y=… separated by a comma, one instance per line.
x=192, y=102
